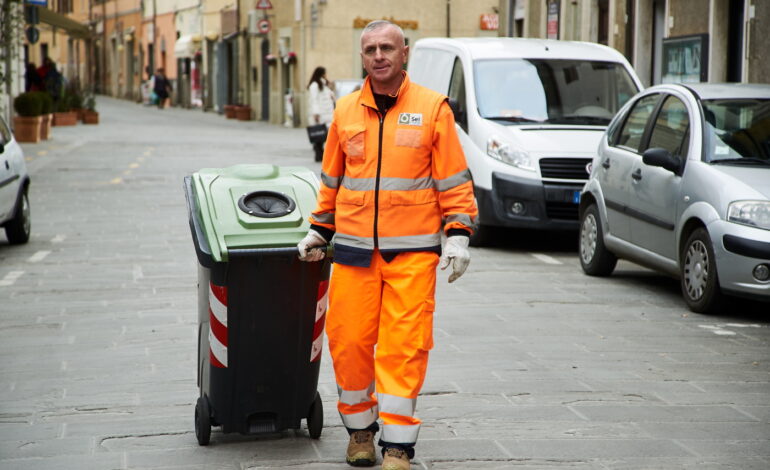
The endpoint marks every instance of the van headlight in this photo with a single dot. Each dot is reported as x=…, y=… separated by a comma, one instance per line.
x=503, y=151
x=752, y=213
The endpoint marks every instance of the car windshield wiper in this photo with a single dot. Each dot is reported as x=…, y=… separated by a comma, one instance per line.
x=579, y=120
x=748, y=160
x=512, y=119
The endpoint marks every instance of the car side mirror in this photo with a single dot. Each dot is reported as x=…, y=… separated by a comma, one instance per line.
x=661, y=157
x=461, y=117
x=2, y=147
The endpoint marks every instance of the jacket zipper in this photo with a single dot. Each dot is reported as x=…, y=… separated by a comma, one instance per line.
x=377, y=181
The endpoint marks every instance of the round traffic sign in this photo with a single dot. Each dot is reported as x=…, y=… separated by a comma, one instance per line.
x=263, y=26
x=33, y=34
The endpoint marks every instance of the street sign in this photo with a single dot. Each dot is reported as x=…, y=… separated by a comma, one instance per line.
x=42, y=3
x=263, y=26
x=264, y=5
x=32, y=34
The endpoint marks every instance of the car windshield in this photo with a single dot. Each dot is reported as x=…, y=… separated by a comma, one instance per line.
x=522, y=91
x=737, y=131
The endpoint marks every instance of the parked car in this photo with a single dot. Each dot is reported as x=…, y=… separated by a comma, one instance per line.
x=681, y=184
x=529, y=113
x=346, y=86
x=14, y=184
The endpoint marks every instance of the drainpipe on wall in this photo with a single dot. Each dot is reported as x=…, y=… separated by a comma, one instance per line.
x=448, y=18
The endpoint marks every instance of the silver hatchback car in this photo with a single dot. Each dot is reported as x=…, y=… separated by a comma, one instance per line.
x=681, y=184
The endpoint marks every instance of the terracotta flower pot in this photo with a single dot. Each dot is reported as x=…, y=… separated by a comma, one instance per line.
x=230, y=111
x=46, y=122
x=90, y=117
x=243, y=113
x=27, y=128
x=69, y=118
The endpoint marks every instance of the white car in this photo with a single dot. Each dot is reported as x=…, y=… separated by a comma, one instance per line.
x=14, y=185
x=681, y=184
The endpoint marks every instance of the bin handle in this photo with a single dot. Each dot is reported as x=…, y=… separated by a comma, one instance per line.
x=281, y=251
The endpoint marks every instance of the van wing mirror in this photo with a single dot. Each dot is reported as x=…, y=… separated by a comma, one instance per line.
x=461, y=117
x=661, y=157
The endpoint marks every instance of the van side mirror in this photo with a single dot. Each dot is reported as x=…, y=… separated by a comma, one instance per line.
x=661, y=157
x=461, y=117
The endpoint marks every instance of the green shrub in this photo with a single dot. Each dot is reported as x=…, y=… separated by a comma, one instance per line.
x=46, y=100
x=28, y=104
x=63, y=104
x=90, y=102
x=76, y=100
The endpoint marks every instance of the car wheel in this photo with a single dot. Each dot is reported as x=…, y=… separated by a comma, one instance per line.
x=595, y=258
x=700, y=284
x=19, y=228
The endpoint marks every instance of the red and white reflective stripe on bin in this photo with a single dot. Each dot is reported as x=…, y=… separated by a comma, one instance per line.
x=218, y=325
x=320, y=319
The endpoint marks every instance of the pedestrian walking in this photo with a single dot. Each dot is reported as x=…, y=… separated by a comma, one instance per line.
x=320, y=105
x=162, y=87
x=32, y=81
x=393, y=178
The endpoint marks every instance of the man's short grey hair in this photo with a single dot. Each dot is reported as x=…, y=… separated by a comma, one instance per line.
x=377, y=24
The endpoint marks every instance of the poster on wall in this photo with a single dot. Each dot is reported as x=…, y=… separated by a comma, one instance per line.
x=685, y=59
x=552, y=25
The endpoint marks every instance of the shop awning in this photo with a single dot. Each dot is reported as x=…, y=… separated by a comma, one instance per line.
x=187, y=46
x=73, y=28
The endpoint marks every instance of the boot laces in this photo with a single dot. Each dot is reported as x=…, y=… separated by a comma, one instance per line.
x=394, y=452
x=360, y=437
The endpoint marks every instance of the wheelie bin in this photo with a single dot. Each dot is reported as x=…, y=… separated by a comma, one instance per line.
x=261, y=311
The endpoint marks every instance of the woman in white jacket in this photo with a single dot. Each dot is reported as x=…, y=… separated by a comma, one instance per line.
x=320, y=105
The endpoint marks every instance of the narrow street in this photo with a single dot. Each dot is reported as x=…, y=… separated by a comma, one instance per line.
x=535, y=365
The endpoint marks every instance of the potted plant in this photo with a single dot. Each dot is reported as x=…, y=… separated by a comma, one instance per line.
x=90, y=115
x=26, y=125
x=243, y=112
x=230, y=111
x=76, y=102
x=46, y=114
x=63, y=115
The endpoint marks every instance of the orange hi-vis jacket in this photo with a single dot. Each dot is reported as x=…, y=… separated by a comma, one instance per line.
x=392, y=182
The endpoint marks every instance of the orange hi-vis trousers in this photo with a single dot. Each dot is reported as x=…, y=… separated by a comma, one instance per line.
x=390, y=306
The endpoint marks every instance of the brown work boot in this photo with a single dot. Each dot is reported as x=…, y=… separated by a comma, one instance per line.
x=361, y=449
x=395, y=459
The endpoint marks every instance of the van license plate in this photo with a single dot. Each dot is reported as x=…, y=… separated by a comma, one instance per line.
x=576, y=197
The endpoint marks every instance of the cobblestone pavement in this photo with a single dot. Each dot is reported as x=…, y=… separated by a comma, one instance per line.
x=535, y=365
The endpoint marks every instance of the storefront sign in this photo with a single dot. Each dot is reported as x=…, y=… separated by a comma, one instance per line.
x=552, y=25
x=685, y=59
x=489, y=22
x=264, y=5
x=360, y=23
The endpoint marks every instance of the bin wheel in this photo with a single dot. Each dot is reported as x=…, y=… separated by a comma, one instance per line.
x=315, y=417
x=202, y=421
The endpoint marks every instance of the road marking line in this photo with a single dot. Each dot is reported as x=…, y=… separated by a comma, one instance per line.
x=39, y=256
x=546, y=259
x=10, y=278
x=717, y=330
x=116, y=180
x=133, y=165
x=60, y=237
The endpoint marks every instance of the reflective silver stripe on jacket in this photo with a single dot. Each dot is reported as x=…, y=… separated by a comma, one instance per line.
x=330, y=181
x=354, y=397
x=325, y=218
x=464, y=219
x=396, y=405
x=389, y=243
x=387, y=183
x=410, y=241
x=455, y=180
x=400, y=434
x=361, y=420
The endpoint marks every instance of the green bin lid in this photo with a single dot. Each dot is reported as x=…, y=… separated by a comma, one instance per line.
x=254, y=206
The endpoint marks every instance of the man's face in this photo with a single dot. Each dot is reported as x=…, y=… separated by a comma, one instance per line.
x=384, y=54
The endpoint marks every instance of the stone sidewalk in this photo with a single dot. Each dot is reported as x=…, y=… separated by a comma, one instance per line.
x=535, y=365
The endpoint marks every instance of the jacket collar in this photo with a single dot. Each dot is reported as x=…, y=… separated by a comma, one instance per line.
x=367, y=95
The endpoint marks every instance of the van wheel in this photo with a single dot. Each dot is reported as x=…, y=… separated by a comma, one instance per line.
x=19, y=228
x=698, y=272
x=595, y=258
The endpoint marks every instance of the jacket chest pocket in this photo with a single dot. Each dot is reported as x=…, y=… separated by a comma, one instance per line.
x=354, y=138
x=406, y=137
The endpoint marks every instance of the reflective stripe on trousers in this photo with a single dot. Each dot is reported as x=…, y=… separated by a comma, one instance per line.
x=389, y=305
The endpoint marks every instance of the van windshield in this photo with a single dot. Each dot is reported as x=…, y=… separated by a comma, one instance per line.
x=521, y=91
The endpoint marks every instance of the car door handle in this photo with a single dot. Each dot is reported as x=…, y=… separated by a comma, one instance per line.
x=606, y=163
x=7, y=165
x=637, y=175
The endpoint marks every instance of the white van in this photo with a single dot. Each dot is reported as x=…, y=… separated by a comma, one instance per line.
x=530, y=114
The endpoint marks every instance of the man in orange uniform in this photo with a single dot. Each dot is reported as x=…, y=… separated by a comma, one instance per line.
x=393, y=178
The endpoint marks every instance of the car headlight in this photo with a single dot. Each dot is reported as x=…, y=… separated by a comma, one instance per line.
x=753, y=213
x=503, y=151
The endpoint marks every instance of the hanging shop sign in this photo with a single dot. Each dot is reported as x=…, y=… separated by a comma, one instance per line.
x=489, y=22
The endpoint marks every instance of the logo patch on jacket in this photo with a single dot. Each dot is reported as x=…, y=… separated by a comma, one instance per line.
x=410, y=119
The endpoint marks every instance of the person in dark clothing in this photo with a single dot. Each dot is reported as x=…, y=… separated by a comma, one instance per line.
x=32, y=81
x=162, y=87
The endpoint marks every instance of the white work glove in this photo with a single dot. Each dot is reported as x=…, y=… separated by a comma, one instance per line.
x=307, y=252
x=456, y=252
